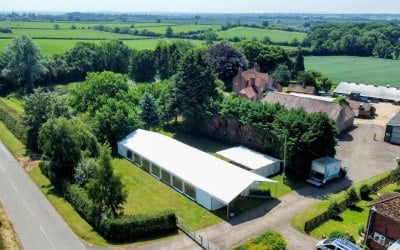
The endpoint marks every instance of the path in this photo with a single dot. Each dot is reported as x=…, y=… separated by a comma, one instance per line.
x=35, y=220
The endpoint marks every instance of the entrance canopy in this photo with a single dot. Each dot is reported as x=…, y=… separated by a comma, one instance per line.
x=221, y=179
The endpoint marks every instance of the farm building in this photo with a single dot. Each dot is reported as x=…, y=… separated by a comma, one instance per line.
x=251, y=160
x=340, y=113
x=298, y=88
x=392, y=133
x=370, y=91
x=211, y=182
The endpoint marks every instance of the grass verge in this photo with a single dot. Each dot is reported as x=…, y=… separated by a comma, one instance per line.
x=318, y=208
x=11, y=142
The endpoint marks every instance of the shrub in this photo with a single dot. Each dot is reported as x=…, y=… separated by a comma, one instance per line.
x=365, y=191
x=79, y=199
x=269, y=240
x=333, y=210
x=133, y=227
x=352, y=197
x=13, y=122
x=343, y=235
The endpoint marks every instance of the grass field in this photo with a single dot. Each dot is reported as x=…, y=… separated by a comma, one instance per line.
x=11, y=142
x=180, y=28
x=356, y=69
x=249, y=33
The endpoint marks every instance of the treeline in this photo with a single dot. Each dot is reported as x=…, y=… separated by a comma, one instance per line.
x=356, y=39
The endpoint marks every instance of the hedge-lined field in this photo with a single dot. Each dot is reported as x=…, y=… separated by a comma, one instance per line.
x=274, y=35
x=356, y=69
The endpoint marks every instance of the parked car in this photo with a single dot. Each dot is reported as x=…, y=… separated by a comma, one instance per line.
x=337, y=244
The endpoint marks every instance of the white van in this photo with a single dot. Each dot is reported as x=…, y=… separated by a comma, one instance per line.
x=337, y=244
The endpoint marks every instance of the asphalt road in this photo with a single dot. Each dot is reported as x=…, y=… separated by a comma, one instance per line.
x=35, y=220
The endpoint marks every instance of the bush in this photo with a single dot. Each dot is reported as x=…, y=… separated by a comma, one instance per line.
x=343, y=235
x=79, y=199
x=365, y=191
x=270, y=240
x=333, y=210
x=352, y=197
x=260, y=192
x=133, y=227
x=13, y=122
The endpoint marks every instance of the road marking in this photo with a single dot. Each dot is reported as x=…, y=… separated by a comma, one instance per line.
x=26, y=205
x=47, y=237
x=4, y=171
x=12, y=183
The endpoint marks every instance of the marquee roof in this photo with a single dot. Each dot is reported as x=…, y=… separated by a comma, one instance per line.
x=222, y=180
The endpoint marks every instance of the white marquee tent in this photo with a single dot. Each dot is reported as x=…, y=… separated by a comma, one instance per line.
x=251, y=160
x=210, y=181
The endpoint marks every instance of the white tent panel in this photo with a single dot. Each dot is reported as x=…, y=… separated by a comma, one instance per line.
x=214, y=176
x=256, y=162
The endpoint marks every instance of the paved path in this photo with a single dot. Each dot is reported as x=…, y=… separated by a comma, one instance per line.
x=35, y=220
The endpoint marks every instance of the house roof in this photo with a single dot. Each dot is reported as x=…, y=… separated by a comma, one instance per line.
x=372, y=91
x=298, y=88
x=260, y=78
x=395, y=121
x=246, y=157
x=249, y=92
x=388, y=205
x=219, y=178
x=316, y=97
x=308, y=104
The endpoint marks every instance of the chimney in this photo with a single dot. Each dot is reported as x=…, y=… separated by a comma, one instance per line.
x=257, y=67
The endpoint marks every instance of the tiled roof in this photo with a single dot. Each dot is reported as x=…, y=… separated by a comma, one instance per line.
x=298, y=88
x=388, y=205
x=249, y=92
x=260, y=78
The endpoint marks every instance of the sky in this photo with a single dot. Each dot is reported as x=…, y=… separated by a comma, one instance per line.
x=206, y=6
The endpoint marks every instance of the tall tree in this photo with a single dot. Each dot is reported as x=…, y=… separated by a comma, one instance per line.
x=106, y=189
x=169, y=32
x=149, y=112
x=142, y=67
x=281, y=75
x=115, y=55
x=226, y=62
x=39, y=107
x=196, y=87
x=24, y=65
x=306, y=79
x=298, y=63
x=84, y=57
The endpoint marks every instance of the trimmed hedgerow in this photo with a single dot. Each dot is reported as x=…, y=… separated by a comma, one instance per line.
x=13, y=122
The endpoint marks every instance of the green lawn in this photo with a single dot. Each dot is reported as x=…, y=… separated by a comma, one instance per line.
x=249, y=33
x=356, y=69
x=11, y=142
x=318, y=208
x=350, y=220
x=13, y=102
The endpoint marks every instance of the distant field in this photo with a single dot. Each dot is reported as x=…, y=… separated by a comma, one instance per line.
x=275, y=35
x=356, y=69
x=181, y=28
x=78, y=25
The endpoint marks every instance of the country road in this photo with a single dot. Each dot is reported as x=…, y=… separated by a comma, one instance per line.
x=35, y=220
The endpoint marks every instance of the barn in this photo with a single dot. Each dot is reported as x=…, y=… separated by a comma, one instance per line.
x=211, y=182
x=251, y=160
x=392, y=133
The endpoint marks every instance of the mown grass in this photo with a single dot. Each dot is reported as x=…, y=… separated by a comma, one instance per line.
x=11, y=142
x=350, y=220
x=260, y=34
x=13, y=102
x=318, y=208
x=356, y=69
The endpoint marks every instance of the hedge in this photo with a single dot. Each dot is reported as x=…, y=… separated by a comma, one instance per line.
x=134, y=227
x=13, y=121
x=124, y=228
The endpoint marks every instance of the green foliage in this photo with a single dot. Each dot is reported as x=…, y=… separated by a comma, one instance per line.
x=342, y=235
x=340, y=99
x=114, y=120
x=281, y=75
x=13, y=121
x=79, y=199
x=134, y=227
x=142, y=67
x=149, y=111
x=168, y=104
x=169, y=32
x=23, y=66
x=60, y=143
x=97, y=90
x=85, y=171
x=39, y=107
x=298, y=63
x=269, y=240
x=306, y=79
x=106, y=189
x=352, y=197
x=365, y=191
x=196, y=87
x=396, y=173
x=333, y=210
x=115, y=56
x=84, y=57
x=210, y=36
